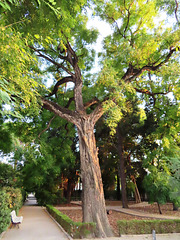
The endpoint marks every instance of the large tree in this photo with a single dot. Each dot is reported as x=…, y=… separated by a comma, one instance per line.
x=136, y=48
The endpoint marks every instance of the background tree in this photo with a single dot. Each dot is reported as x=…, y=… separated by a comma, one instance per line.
x=143, y=63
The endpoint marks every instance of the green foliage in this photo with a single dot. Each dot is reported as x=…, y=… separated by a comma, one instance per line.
x=75, y=229
x=10, y=199
x=6, y=139
x=174, y=181
x=19, y=82
x=146, y=226
x=7, y=175
x=50, y=196
x=4, y=211
x=157, y=186
x=15, y=198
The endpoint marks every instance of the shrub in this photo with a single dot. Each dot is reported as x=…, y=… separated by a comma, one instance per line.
x=45, y=197
x=74, y=229
x=4, y=211
x=15, y=199
x=146, y=226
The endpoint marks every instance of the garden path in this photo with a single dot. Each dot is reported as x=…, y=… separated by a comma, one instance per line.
x=37, y=225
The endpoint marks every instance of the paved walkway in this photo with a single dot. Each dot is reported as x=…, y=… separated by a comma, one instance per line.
x=36, y=225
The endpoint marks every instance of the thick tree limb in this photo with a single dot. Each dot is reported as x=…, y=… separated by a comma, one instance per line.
x=61, y=111
x=97, y=113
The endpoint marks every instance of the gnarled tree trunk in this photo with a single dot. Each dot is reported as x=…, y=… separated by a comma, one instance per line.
x=93, y=202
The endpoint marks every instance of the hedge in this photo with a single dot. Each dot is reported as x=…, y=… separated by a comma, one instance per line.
x=15, y=198
x=10, y=199
x=4, y=211
x=146, y=226
x=74, y=229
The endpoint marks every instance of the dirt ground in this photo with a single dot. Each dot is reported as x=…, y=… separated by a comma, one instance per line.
x=167, y=209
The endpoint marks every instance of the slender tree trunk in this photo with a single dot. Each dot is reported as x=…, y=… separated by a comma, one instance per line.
x=136, y=191
x=159, y=208
x=69, y=189
x=93, y=203
x=118, y=188
x=121, y=169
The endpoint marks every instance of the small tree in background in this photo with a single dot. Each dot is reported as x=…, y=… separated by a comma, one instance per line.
x=157, y=186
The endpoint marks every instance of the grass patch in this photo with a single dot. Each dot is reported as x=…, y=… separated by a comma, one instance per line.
x=74, y=229
x=146, y=226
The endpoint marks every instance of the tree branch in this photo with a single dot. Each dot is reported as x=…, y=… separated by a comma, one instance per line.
x=61, y=111
x=133, y=73
x=97, y=113
x=60, y=82
x=69, y=102
x=91, y=102
x=153, y=95
x=175, y=12
x=48, y=126
x=49, y=59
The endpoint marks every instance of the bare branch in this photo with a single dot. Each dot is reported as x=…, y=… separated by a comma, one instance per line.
x=49, y=59
x=48, y=126
x=91, y=102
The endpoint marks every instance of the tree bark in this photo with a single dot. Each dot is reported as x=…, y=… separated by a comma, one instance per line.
x=136, y=191
x=69, y=189
x=118, y=188
x=93, y=203
x=121, y=169
x=159, y=208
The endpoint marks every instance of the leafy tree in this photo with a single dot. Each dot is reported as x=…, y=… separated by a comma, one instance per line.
x=162, y=156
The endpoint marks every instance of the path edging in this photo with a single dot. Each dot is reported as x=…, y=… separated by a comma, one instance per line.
x=62, y=229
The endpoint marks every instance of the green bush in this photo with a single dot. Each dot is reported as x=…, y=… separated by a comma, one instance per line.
x=15, y=198
x=4, y=211
x=45, y=197
x=146, y=226
x=74, y=229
